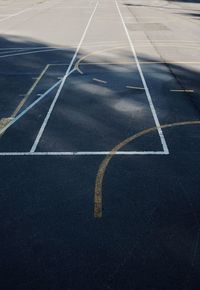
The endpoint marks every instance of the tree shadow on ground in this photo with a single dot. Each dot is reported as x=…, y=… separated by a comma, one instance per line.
x=166, y=6
x=148, y=238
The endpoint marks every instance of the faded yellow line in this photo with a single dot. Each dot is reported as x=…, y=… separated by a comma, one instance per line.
x=94, y=53
x=5, y=121
x=141, y=62
x=27, y=95
x=77, y=64
x=104, y=164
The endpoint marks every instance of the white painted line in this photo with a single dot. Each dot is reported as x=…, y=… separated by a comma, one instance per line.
x=25, y=10
x=58, y=64
x=184, y=91
x=16, y=14
x=134, y=88
x=162, y=138
x=33, y=104
x=87, y=44
x=30, y=91
x=103, y=43
x=99, y=81
x=27, y=48
x=42, y=128
x=83, y=153
x=72, y=7
x=4, y=52
x=29, y=107
x=29, y=52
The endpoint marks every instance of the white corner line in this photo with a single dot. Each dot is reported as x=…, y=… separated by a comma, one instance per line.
x=82, y=153
x=42, y=128
x=160, y=132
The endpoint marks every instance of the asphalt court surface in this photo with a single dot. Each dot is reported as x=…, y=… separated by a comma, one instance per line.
x=99, y=145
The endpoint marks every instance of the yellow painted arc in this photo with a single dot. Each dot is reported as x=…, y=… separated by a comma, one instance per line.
x=104, y=164
x=96, y=52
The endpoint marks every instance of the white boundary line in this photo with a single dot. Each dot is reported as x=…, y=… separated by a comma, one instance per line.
x=162, y=138
x=41, y=131
x=27, y=9
x=28, y=48
x=72, y=7
x=29, y=52
x=82, y=153
x=16, y=14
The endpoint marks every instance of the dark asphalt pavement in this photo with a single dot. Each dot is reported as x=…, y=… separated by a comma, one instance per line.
x=136, y=65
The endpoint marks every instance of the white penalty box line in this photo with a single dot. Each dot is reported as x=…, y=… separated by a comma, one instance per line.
x=71, y=153
x=60, y=83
